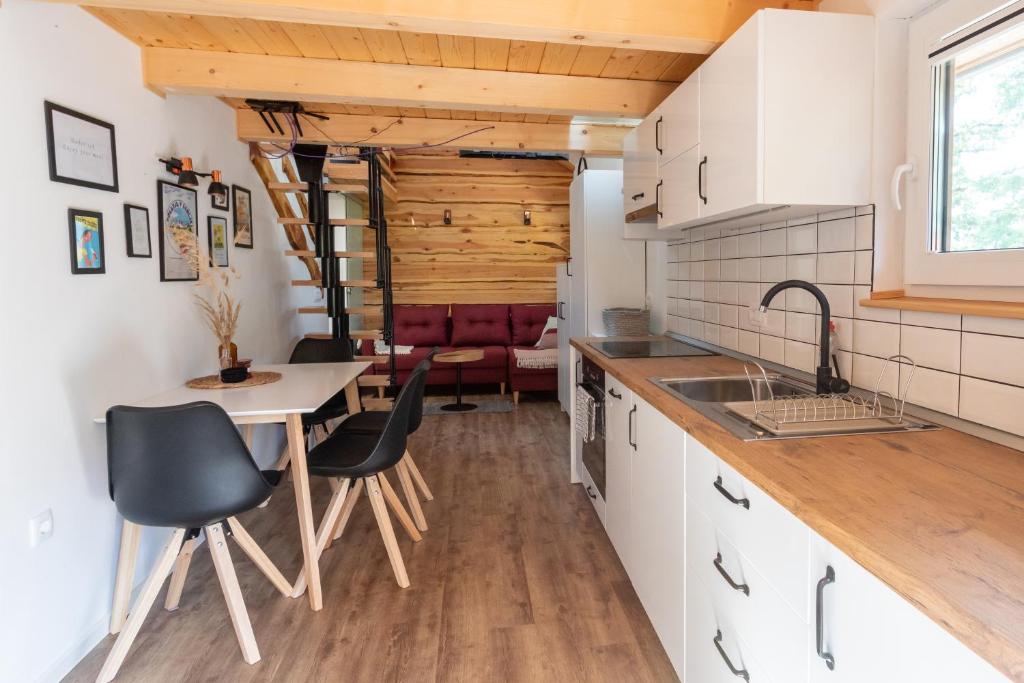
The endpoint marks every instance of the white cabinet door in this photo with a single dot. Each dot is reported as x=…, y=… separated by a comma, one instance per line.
x=618, y=405
x=657, y=560
x=679, y=114
x=730, y=107
x=640, y=166
x=678, y=193
x=563, y=306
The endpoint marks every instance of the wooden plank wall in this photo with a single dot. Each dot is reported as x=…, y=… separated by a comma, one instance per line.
x=486, y=255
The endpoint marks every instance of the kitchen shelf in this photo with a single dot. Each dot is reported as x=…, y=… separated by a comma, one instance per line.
x=988, y=309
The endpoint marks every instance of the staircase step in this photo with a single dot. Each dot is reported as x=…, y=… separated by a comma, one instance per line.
x=347, y=188
x=364, y=222
x=351, y=310
x=375, y=404
x=339, y=254
x=372, y=359
x=354, y=334
x=365, y=284
x=374, y=381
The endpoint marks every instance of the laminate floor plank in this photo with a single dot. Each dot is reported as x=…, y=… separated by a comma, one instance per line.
x=514, y=581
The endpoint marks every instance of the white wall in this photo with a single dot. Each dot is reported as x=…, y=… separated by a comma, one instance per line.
x=75, y=344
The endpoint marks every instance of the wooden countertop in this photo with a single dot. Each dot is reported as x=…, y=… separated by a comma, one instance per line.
x=936, y=515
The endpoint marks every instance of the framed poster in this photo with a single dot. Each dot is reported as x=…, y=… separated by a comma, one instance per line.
x=217, y=237
x=81, y=149
x=241, y=199
x=177, y=209
x=219, y=200
x=85, y=230
x=136, y=231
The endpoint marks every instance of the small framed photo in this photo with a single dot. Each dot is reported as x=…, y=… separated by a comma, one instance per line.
x=241, y=212
x=81, y=150
x=85, y=230
x=178, y=208
x=219, y=201
x=136, y=231
x=217, y=237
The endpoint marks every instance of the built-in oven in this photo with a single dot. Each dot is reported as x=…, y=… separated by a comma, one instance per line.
x=592, y=381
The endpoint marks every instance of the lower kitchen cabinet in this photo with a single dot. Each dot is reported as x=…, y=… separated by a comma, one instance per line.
x=618, y=453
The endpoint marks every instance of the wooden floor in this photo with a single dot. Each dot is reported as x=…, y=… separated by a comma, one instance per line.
x=514, y=581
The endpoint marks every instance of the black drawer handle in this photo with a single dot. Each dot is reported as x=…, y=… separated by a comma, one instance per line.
x=742, y=673
x=728, y=579
x=590, y=492
x=639, y=195
x=700, y=180
x=629, y=426
x=745, y=502
x=657, y=135
x=830, y=577
x=657, y=199
x=614, y=394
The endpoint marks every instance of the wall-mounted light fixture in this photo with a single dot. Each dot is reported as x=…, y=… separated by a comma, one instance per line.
x=447, y=216
x=527, y=217
x=189, y=177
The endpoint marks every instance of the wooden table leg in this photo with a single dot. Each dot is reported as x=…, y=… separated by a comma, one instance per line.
x=300, y=478
x=130, y=534
x=352, y=397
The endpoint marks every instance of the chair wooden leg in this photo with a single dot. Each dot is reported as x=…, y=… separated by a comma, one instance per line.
x=409, y=489
x=346, y=512
x=387, y=532
x=283, y=459
x=130, y=534
x=141, y=608
x=232, y=593
x=396, y=505
x=258, y=557
x=334, y=508
x=417, y=477
x=515, y=397
x=179, y=574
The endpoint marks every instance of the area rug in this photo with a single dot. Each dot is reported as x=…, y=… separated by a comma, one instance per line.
x=432, y=406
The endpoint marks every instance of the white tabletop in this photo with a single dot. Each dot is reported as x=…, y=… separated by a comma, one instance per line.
x=302, y=389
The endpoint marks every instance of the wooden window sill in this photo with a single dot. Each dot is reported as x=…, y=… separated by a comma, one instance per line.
x=986, y=309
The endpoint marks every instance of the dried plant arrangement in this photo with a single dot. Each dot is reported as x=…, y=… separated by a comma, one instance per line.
x=215, y=301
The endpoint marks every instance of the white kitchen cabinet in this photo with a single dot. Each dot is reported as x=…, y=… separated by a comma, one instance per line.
x=677, y=120
x=677, y=195
x=596, y=499
x=566, y=383
x=619, y=452
x=640, y=166
x=657, y=551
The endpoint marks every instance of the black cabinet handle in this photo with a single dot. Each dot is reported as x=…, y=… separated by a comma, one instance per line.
x=561, y=314
x=830, y=577
x=638, y=195
x=728, y=579
x=632, y=412
x=567, y=262
x=614, y=394
x=745, y=502
x=742, y=673
x=657, y=198
x=657, y=135
x=579, y=364
x=700, y=180
x=590, y=492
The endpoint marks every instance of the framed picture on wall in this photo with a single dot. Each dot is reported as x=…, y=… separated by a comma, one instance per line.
x=219, y=200
x=85, y=230
x=81, y=149
x=241, y=212
x=177, y=208
x=136, y=229
x=217, y=238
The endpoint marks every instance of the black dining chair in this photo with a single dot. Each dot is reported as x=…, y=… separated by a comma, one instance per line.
x=354, y=460
x=373, y=422
x=186, y=467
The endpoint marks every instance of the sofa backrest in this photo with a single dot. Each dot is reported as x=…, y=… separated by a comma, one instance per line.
x=480, y=325
x=528, y=322
x=421, y=325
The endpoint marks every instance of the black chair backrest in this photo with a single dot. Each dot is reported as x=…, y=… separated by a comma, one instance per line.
x=180, y=466
x=392, y=442
x=322, y=351
x=416, y=414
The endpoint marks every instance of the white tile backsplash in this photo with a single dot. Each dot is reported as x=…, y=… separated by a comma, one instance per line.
x=967, y=366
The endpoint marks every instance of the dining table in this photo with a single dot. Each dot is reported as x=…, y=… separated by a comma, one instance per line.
x=302, y=389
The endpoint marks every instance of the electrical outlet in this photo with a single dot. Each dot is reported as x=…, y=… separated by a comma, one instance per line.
x=40, y=528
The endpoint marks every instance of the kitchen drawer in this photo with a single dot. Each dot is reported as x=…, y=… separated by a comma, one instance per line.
x=775, y=634
x=593, y=493
x=704, y=663
x=764, y=532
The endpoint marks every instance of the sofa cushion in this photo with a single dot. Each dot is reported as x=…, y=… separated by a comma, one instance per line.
x=480, y=325
x=528, y=320
x=421, y=325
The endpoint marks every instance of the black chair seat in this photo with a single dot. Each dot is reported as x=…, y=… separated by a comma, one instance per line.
x=345, y=454
x=335, y=407
x=368, y=421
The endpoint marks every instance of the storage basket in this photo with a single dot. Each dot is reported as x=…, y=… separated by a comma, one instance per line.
x=626, y=322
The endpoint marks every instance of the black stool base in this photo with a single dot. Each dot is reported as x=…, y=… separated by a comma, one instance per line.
x=459, y=407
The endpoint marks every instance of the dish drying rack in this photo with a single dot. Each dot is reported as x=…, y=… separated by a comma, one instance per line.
x=827, y=412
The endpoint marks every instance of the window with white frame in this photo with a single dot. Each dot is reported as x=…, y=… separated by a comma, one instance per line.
x=965, y=221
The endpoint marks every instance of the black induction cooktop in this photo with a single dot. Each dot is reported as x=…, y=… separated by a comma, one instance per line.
x=654, y=348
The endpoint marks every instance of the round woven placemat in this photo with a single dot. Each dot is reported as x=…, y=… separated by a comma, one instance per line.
x=213, y=381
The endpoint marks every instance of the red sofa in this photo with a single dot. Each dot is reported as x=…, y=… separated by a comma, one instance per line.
x=495, y=328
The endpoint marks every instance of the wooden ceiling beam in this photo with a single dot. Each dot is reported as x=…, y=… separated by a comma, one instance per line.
x=225, y=74
x=412, y=132
x=695, y=26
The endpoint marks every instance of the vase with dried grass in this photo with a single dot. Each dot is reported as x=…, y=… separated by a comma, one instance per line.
x=215, y=301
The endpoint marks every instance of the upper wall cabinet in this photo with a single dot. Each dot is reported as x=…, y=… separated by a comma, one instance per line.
x=776, y=123
x=640, y=171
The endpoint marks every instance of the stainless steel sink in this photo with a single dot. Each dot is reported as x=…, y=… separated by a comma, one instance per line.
x=737, y=388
